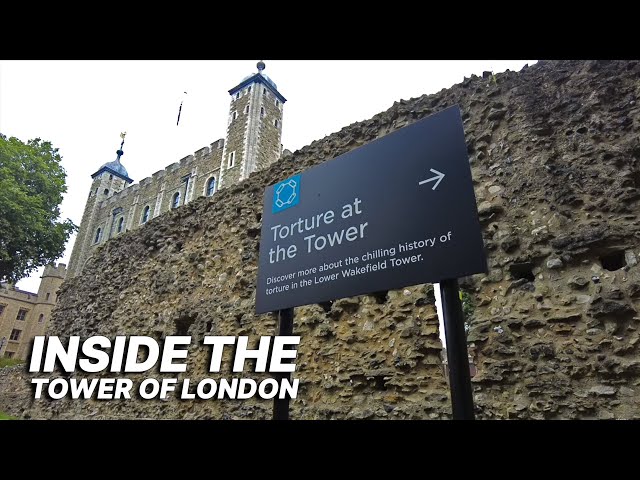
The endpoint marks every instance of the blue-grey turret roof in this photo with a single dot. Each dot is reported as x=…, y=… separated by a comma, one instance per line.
x=115, y=167
x=259, y=78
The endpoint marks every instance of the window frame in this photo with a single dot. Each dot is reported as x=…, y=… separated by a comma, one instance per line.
x=145, y=214
x=207, y=186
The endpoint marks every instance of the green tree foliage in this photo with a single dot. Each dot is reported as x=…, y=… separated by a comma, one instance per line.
x=32, y=182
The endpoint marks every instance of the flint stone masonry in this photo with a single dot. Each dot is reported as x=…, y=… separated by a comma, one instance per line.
x=560, y=139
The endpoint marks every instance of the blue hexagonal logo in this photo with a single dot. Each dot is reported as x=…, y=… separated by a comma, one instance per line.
x=286, y=194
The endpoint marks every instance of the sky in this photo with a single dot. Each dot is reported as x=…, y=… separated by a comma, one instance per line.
x=82, y=107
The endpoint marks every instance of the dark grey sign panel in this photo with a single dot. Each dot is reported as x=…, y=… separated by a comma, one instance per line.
x=398, y=211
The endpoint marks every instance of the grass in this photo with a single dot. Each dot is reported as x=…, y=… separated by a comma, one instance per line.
x=10, y=362
x=4, y=416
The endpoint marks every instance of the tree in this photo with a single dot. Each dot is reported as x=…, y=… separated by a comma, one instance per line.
x=32, y=182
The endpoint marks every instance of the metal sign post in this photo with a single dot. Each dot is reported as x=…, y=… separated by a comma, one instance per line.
x=457, y=354
x=285, y=328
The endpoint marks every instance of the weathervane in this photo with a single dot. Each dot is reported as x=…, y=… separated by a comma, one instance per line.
x=120, y=152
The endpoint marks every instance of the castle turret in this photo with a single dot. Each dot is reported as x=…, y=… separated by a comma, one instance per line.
x=110, y=179
x=254, y=132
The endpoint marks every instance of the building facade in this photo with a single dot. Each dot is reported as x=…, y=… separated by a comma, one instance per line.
x=253, y=141
x=23, y=315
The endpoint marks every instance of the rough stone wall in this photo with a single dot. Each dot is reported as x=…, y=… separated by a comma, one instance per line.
x=554, y=151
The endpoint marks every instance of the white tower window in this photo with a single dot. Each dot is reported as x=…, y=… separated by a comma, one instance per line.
x=235, y=115
x=277, y=103
x=246, y=109
x=237, y=95
x=232, y=160
x=276, y=123
x=211, y=186
x=145, y=214
x=261, y=112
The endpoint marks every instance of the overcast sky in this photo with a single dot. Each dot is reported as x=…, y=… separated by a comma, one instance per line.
x=82, y=106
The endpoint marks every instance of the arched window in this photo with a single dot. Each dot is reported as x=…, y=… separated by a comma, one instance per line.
x=145, y=214
x=176, y=200
x=262, y=111
x=246, y=109
x=98, y=235
x=106, y=191
x=120, y=224
x=41, y=318
x=211, y=186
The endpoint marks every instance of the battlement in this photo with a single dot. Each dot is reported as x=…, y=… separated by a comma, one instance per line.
x=201, y=154
x=53, y=270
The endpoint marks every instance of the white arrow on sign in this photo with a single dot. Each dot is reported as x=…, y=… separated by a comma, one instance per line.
x=439, y=176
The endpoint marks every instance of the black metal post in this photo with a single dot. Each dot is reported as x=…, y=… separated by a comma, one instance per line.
x=285, y=327
x=457, y=354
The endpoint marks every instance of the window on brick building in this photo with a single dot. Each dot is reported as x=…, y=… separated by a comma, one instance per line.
x=232, y=160
x=261, y=111
x=235, y=115
x=120, y=224
x=276, y=123
x=41, y=318
x=211, y=186
x=246, y=109
x=15, y=335
x=176, y=200
x=264, y=91
x=277, y=103
x=22, y=314
x=98, y=235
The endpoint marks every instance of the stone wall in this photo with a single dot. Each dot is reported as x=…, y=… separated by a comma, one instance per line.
x=269, y=146
x=235, y=139
x=554, y=151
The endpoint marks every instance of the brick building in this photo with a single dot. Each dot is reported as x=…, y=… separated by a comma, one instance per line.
x=24, y=315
